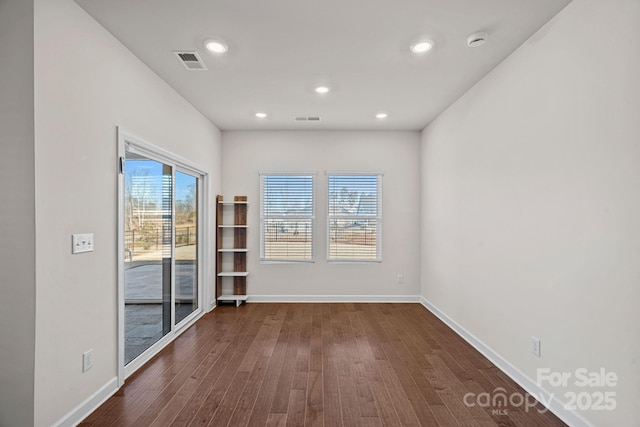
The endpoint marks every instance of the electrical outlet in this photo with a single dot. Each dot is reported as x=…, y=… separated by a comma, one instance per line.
x=81, y=243
x=535, y=346
x=87, y=360
x=400, y=278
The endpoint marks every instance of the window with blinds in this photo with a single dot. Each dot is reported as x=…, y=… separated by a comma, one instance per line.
x=355, y=217
x=286, y=217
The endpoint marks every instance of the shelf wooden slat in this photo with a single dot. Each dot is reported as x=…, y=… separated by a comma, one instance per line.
x=233, y=274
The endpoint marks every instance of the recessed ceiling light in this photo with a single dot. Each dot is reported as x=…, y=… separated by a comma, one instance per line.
x=382, y=116
x=477, y=39
x=216, y=46
x=322, y=89
x=421, y=46
x=261, y=115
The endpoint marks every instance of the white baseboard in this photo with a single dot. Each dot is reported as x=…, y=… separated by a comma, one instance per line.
x=556, y=406
x=333, y=298
x=83, y=410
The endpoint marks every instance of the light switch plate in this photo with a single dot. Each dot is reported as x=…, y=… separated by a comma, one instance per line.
x=81, y=243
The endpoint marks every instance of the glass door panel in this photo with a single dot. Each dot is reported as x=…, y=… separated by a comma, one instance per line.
x=186, y=202
x=148, y=239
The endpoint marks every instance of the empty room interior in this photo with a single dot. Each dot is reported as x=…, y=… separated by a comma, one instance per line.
x=357, y=213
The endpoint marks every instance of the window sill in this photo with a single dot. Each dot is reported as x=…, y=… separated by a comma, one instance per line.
x=273, y=261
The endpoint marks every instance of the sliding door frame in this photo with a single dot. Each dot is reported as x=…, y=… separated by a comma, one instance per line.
x=129, y=142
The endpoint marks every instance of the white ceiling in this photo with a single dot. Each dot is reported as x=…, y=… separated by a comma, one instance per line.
x=279, y=49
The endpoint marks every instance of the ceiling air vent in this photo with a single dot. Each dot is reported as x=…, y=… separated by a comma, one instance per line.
x=191, y=60
x=306, y=118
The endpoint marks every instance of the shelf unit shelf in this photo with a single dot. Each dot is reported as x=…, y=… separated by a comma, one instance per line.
x=238, y=299
x=233, y=274
x=238, y=251
x=234, y=202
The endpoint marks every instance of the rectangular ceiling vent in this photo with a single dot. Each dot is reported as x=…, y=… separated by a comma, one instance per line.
x=191, y=60
x=306, y=118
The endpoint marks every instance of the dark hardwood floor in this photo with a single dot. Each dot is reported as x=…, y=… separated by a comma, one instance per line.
x=318, y=365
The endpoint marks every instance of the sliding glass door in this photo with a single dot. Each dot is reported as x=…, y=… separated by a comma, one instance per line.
x=186, y=196
x=160, y=226
x=148, y=253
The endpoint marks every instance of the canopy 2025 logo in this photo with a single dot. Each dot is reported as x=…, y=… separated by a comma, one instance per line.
x=587, y=398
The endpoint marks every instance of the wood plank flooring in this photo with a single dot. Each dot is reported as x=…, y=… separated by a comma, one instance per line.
x=317, y=365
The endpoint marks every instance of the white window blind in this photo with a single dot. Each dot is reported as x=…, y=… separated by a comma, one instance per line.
x=355, y=217
x=287, y=217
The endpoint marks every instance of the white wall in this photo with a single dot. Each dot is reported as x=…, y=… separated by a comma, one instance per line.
x=531, y=203
x=396, y=154
x=17, y=214
x=87, y=83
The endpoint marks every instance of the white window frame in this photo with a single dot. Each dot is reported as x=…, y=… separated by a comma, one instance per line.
x=263, y=258
x=377, y=217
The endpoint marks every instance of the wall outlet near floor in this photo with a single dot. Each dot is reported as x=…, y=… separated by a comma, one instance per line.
x=535, y=346
x=87, y=360
x=400, y=278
